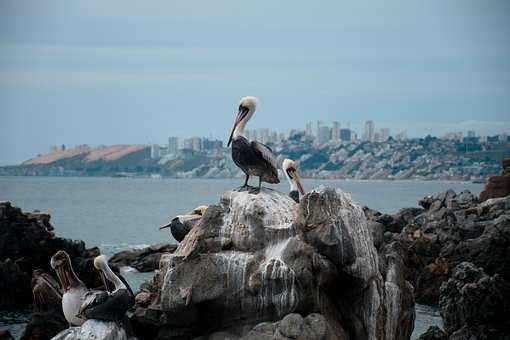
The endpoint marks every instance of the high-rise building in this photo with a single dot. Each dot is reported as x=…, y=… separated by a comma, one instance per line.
x=318, y=125
x=196, y=143
x=471, y=134
x=323, y=135
x=335, y=131
x=264, y=136
x=173, y=145
x=281, y=137
x=402, y=135
x=155, y=151
x=385, y=134
x=503, y=137
x=369, y=134
x=274, y=137
x=309, y=129
x=345, y=135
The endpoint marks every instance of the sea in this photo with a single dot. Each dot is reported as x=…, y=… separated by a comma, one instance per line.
x=125, y=213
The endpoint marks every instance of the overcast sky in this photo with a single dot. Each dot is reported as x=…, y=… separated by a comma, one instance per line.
x=105, y=72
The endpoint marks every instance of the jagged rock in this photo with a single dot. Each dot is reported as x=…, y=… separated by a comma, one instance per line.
x=475, y=305
x=454, y=228
x=94, y=329
x=260, y=257
x=27, y=242
x=143, y=260
x=433, y=333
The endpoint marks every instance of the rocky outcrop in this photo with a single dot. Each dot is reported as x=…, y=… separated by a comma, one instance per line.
x=475, y=305
x=498, y=185
x=450, y=229
x=145, y=259
x=27, y=242
x=261, y=266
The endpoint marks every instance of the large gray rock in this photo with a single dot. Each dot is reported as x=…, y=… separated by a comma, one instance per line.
x=262, y=258
x=94, y=329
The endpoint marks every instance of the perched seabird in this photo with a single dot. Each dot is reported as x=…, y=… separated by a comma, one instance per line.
x=46, y=291
x=114, y=305
x=74, y=289
x=181, y=225
x=254, y=158
x=291, y=172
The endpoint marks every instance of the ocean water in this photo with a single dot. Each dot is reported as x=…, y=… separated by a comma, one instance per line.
x=120, y=213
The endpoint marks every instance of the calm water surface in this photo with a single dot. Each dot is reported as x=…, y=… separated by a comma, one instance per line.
x=120, y=213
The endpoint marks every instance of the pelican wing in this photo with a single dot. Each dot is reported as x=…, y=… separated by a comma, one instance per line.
x=92, y=298
x=267, y=154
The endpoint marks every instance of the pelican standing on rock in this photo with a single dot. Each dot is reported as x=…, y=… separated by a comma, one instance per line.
x=181, y=225
x=292, y=174
x=254, y=158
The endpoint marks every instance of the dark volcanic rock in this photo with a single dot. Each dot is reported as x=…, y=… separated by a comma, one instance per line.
x=433, y=333
x=259, y=266
x=452, y=229
x=27, y=242
x=143, y=260
x=475, y=305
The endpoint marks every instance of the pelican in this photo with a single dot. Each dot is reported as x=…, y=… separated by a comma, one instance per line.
x=292, y=174
x=115, y=304
x=46, y=291
x=181, y=225
x=254, y=158
x=74, y=289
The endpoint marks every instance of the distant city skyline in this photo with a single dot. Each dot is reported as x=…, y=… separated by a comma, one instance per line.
x=100, y=72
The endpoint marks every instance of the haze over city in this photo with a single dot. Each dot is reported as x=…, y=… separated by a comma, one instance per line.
x=106, y=73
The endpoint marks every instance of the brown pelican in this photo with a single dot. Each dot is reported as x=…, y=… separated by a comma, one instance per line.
x=254, y=158
x=181, y=225
x=74, y=289
x=292, y=174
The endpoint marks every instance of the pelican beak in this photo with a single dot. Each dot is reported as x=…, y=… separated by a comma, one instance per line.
x=294, y=175
x=169, y=224
x=103, y=278
x=243, y=111
x=299, y=185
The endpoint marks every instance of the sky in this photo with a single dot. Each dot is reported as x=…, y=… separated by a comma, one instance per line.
x=109, y=72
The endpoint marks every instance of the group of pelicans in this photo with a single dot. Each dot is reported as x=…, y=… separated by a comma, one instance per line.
x=79, y=303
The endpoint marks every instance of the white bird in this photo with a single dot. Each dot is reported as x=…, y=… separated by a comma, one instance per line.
x=252, y=157
x=291, y=172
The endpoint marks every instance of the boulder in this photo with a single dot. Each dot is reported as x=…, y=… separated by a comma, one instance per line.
x=475, y=305
x=94, y=329
x=145, y=259
x=261, y=259
x=433, y=333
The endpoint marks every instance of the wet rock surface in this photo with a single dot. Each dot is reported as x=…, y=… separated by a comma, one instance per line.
x=145, y=259
x=27, y=242
x=261, y=266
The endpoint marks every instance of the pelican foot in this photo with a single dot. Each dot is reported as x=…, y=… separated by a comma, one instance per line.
x=254, y=190
x=245, y=188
